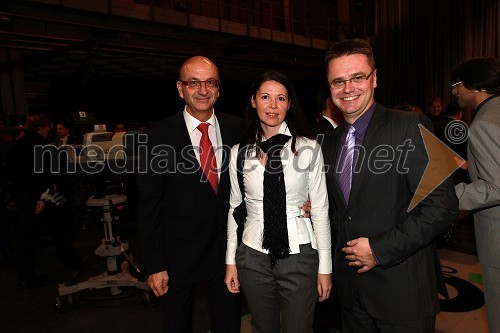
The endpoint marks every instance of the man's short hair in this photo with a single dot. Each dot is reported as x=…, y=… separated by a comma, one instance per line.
x=348, y=47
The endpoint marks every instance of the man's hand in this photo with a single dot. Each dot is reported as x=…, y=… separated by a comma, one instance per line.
x=324, y=286
x=231, y=279
x=305, y=210
x=158, y=283
x=360, y=254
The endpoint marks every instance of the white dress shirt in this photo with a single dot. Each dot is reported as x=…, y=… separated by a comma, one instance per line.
x=213, y=133
x=304, y=176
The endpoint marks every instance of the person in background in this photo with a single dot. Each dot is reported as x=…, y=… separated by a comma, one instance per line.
x=386, y=265
x=17, y=133
x=329, y=115
x=63, y=134
x=6, y=192
x=409, y=108
x=119, y=127
x=435, y=109
x=183, y=210
x=443, y=129
x=284, y=261
x=477, y=85
x=446, y=130
x=32, y=212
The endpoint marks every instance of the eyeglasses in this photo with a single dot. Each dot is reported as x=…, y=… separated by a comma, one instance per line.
x=358, y=79
x=196, y=84
x=453, y=85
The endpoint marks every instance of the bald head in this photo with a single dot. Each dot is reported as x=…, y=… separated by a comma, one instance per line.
x=194, y=63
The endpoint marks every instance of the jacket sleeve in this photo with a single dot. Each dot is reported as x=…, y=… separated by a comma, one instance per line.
x=484, y=139
x=150, y=214
x=420, y=225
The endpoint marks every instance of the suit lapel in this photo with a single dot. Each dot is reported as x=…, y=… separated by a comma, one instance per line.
x=183, y=140
x=377, y=126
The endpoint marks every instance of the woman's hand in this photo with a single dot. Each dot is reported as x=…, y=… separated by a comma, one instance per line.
x=324, y=286
x=231, y=279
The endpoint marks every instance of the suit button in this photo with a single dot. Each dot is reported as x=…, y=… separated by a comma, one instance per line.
x=348, y=219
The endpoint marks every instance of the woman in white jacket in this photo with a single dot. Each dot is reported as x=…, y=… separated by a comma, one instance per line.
x=284, y=261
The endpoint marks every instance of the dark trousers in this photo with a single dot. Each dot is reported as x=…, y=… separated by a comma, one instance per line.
x=357, y=320
x=27, y=229
x=327, y=315
x=225, y=308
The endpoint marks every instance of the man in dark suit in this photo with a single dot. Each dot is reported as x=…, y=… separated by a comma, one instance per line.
x=183, y=209
x=385, y=262
x=33, y=213
x=63, y=134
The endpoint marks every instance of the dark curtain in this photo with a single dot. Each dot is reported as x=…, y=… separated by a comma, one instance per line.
x=417, y=45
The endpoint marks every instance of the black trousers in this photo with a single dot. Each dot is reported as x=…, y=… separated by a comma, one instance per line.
x=224, y=307
x=357, y=320
x=27, y=229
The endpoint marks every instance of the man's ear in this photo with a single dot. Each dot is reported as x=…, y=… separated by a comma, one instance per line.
x=179, y=89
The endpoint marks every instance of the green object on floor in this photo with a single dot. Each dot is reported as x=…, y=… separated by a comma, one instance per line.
x=476, y=278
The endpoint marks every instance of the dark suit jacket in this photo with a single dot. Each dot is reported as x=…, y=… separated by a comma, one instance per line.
x=29, y=185
x=323, y=126
x=182, y=222
x=404, y=285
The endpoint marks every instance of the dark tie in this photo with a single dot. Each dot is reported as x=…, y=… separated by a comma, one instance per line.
x=345, y=177
x=207, y=157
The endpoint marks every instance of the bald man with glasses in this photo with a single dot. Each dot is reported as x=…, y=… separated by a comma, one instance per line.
x=185, y=202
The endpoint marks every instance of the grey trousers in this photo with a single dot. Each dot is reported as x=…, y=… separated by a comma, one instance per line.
x=491, y=281
x=289, y=289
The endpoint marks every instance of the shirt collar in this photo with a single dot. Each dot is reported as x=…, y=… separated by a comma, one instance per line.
x=361, y=124
x=283, y=130
x=192, y=123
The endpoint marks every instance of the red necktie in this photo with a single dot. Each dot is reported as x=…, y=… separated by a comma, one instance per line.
x=207, y=157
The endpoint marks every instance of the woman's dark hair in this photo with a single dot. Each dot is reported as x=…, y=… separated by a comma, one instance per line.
x=298, y=124
x=481, y=74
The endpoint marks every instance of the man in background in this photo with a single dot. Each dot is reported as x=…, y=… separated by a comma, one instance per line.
x=477, y=85
x=63, y=134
